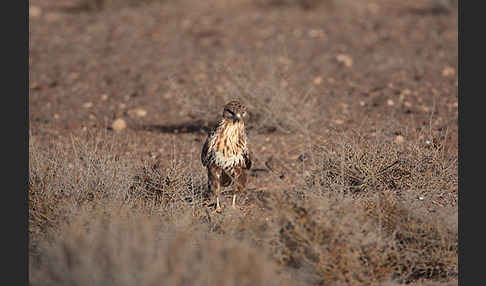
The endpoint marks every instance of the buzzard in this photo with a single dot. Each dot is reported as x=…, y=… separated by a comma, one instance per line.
x=225, y=152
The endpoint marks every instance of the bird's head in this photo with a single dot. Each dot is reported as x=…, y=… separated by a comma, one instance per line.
x=235, y=111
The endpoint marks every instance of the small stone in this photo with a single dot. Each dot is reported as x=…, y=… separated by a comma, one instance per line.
x=34, y=12
x=138, y=112
x=73, y=76
x=119, y=124
x=52, y=17
x=316, y=33
x=317, y=80
x=345, y=59
x=201, y=76
x=425, y=108
x=219, y=88
x=390, y=102
x=406, y=92
x=373, y=8
x=88, y=104
x=448, y=71
x=56, y=116
x=399, y=139
x=104, y=97
x=344, y=105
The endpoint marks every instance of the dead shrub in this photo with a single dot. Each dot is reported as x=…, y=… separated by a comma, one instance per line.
x=421, y=247
x=114, y=245
x=170, y=189
x=362, y=166
x=344, y=241
x=274, y=105
x=65, y=177
x=100, y=217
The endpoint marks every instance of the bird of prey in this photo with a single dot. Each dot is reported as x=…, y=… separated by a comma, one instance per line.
x=225, y=153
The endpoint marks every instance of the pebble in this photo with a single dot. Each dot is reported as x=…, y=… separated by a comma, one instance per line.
x=345, y=59
x=407, y=104
x=88, y=104
x=338, y=121
x=317, y=80
x=315, y=33
x=34, y=12
x=53, y=17
x=119, y=124
x=138, y=112
x=399, y=139
x=448, y=71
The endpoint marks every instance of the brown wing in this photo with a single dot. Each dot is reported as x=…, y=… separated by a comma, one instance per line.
x=205, y=153
x=248, y=159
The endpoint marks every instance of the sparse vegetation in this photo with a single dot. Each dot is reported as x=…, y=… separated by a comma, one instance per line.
x=355, y=176
x=101, y=218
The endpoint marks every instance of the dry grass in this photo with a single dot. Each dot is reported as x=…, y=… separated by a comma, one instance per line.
x=365, y=210
x=360, y=165
x=269, y=90
x=116, y=245
x=99, y=218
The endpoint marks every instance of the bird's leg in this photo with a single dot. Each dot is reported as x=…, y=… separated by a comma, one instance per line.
x=214, y=178
x=218, y=207
x=233, y=205
x=240, y=184
x=217, y=189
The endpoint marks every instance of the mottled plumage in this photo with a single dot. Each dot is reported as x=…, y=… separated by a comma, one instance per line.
x=225, y=152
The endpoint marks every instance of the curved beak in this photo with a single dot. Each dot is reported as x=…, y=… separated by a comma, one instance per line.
x=238, y=117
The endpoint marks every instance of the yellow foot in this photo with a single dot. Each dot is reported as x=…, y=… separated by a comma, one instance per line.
x=219, y=209
x=233, y=205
